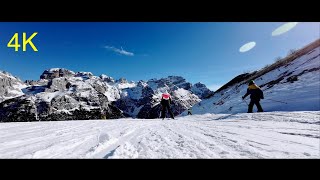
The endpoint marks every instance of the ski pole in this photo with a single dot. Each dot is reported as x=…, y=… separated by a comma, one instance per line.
x=277, y=101
x=246, y=102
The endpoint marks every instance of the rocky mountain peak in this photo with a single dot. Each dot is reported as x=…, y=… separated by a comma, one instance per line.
x=56, y=72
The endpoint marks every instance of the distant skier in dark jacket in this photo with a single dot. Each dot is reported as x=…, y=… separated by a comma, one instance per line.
x=189, y=111
x=255, y=95
x=165, y=102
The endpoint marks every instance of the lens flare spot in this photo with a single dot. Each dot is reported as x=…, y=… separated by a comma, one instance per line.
x=284, y=28
x=248, y=46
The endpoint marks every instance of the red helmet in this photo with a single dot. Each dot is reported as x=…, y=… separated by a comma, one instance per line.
x=166, y=96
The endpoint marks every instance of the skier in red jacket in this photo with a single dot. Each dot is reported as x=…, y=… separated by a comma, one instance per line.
x=165, y=102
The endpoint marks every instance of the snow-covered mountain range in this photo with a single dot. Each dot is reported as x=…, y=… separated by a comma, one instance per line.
x=62, y=94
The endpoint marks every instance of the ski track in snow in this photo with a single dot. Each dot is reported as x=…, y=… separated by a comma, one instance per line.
x=257, y=135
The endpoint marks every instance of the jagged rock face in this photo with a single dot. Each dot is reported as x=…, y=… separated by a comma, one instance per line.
x=100, y=88
x=201, y=90
x=64, y=107
x=149, y=112
x=41, y=82
x=146, y=103
x=122, y=80
x=171, y=82
x=78, y=96
x=106, y=78
x=10, y=86
x=30, y=82
x=64, y=102
x=84, y=75
x=74, y=107
x=56, y=72
x=127, y=105
x=57, y=84
x=17, y=110
x=180, y=82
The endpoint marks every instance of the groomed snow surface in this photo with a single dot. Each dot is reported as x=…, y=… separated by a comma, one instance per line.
x=257, y=135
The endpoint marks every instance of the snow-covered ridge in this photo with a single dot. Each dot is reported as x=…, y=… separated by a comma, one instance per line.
x=6, y=74
x=291, y=86
x=58, y=69
x=10, y=86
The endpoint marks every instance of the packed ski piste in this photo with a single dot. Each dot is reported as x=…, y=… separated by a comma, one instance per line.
x=273, y=112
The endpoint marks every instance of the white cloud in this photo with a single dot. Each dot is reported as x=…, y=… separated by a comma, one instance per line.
x=214, y=87
x=119, y=51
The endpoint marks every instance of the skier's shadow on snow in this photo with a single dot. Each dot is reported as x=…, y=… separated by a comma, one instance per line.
x=224, y=117
x=111, y=153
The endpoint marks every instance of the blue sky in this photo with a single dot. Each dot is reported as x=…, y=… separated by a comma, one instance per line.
x=200, y=52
